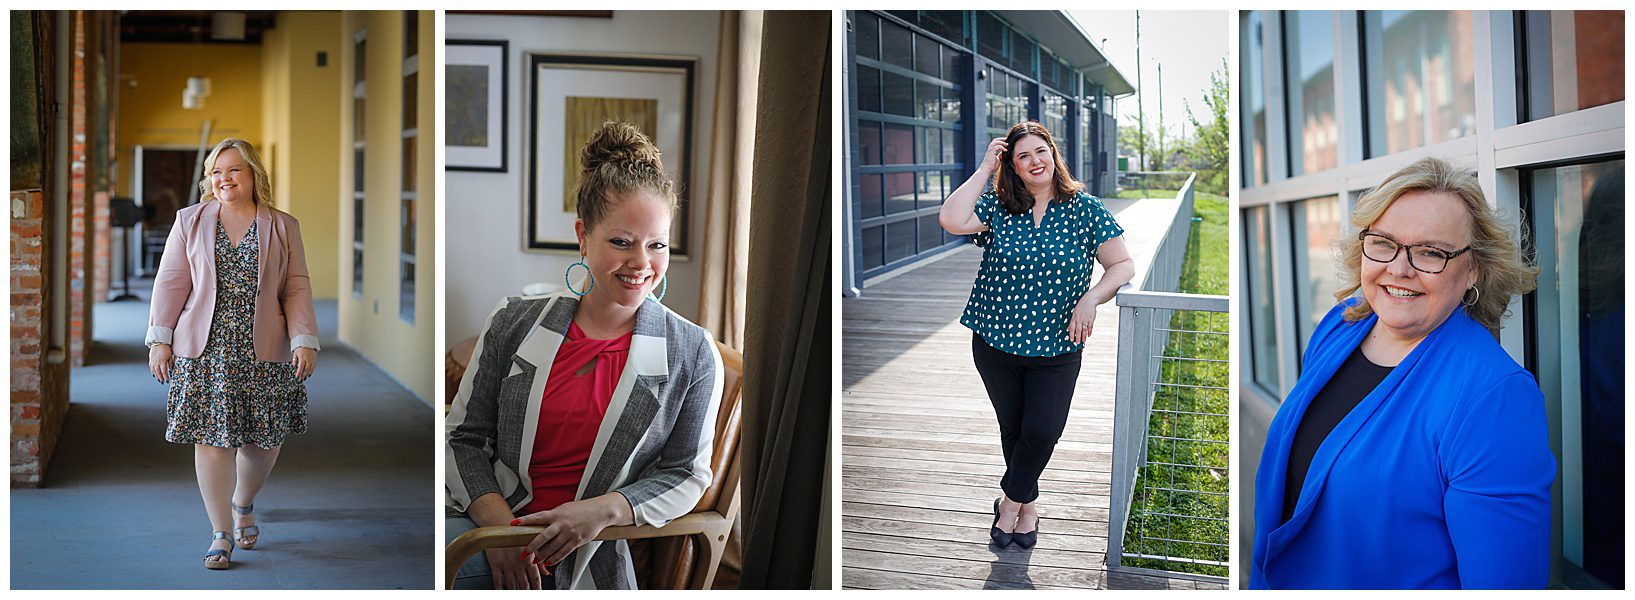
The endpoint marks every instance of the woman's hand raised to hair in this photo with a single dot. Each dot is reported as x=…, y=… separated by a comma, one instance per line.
x=990, y=159
x=957, y=215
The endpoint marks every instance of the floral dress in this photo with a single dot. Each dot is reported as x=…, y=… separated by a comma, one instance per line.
x=226, y=397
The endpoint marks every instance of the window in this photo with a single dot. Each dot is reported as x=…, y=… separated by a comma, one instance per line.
x=990, y=35
x=949, y=24
x=409, y=161
x=1308, y=47
x=868, y=35
x=1054, y=118
x=1257, y=256
x=1010, y=99
x=1087, y=172
x=1315, y=224
x=360, y=64
x=1421, y=73
x=908, y=116
x=1578, y=351
x=1574, y=60
x=1252, y=96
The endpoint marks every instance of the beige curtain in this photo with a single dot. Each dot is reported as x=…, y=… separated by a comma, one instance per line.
x=726, y=224
x=787, y=370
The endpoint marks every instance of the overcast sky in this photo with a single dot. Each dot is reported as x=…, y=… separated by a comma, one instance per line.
x=1190, y=45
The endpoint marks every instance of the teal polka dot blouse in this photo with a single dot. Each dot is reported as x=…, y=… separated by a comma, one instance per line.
x=1031, y=277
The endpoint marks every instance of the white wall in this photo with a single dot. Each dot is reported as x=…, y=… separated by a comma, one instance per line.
x=484, y=211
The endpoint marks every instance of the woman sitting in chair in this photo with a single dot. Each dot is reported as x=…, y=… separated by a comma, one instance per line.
x=590, y=408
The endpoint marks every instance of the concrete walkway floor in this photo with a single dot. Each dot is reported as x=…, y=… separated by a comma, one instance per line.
x=352, y=503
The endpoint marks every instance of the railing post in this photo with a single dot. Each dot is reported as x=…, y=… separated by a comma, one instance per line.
x=1123, y=400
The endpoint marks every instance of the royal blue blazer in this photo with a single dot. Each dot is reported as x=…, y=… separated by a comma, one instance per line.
x=1439, y=478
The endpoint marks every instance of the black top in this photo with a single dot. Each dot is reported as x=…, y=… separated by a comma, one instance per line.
x=1355, y=379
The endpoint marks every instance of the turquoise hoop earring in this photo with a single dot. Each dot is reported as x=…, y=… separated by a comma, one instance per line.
x=664, y=286
x=588, y=275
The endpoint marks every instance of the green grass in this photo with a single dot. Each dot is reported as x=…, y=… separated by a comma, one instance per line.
x=1203, y=272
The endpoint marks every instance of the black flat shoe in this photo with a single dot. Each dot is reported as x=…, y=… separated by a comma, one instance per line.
x=999, y=537
x=1027, y=540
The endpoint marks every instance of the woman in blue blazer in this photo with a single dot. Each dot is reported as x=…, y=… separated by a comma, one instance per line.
x=1413, y=452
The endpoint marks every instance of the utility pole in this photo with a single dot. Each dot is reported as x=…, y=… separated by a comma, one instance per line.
x=1161, y=155
x=1140, y=106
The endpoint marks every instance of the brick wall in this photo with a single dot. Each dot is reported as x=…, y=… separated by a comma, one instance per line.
x=39, y=374
x=39, y=398
x=101, y=150
x=79, y=296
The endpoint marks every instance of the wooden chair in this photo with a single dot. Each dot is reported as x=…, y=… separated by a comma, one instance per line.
x=683, y=554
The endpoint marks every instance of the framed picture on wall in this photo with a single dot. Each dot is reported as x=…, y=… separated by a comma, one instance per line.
x=570, y=95
x=475, y=125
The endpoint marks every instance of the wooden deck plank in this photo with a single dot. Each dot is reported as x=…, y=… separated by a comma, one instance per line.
x=920, y=450
x=985, y=492
x=983, y=482
x=921, y=456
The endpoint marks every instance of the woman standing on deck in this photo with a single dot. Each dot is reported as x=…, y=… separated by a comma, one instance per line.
x=1032, y=307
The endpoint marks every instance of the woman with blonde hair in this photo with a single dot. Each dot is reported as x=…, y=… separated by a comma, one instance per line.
x=233, y=333
x=588, y=408
x=1413, y=452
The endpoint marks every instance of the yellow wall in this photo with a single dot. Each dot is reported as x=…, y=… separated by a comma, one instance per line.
x=370, y=323
x=151, y=113
x=301, y=134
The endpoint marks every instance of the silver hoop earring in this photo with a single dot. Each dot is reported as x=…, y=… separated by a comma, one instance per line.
x=1472, y=301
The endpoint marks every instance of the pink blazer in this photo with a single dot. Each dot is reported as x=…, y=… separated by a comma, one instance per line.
x=184, y=291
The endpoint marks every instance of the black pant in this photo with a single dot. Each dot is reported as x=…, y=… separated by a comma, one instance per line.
x=1031, y=396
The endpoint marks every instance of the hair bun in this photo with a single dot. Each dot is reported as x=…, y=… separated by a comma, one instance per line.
x=622, y=146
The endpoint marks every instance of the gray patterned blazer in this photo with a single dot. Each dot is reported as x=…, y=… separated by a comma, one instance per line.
x=653, y=446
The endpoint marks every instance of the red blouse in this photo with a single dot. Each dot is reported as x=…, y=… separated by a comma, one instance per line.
x=570, y=414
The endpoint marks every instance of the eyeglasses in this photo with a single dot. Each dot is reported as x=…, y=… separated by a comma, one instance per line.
x=1378, y=247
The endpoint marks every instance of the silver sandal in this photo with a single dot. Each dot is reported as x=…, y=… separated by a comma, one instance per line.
x=248, y=531
x=226, y=555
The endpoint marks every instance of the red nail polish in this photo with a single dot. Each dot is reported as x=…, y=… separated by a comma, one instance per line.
x=516, y=521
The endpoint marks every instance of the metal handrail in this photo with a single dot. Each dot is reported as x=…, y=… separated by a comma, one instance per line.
x=1144, y=307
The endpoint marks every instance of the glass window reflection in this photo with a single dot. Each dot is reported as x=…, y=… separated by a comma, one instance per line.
x=1253, y=98
x=1575, y=60
x=1578, y=214
x=1257, y=253
x=1316, y=224
x=1308, y=44
x=1421, y=70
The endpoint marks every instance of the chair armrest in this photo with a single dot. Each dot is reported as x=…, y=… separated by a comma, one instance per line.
x=510, y=536
x=690, y=524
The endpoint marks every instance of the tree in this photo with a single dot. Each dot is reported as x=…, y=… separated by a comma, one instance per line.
x=1130, y=139
x=1211, y=143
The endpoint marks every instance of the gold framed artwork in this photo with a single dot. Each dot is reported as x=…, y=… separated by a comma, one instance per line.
x=582, y=116
x=570, y=95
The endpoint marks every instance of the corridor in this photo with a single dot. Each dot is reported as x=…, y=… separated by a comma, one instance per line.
x=351, y=505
